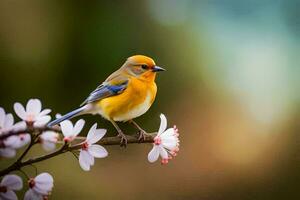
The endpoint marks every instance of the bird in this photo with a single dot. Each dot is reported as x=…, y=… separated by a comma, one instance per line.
x=125, y=95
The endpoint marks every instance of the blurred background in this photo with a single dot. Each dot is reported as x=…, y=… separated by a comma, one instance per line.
x=232, y=87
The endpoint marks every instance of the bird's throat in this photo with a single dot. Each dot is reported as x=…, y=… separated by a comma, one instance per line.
x=148, y=76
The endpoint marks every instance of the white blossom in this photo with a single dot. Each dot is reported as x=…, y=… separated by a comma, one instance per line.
x=69, y=131
x=166, y=143
x=17, y=141
x=40, y=187
x=6, y=121
x=33, y=115
x=6, y=124
x=8, y=185
x=90, y=150
x=48, y=139
x=9, y=145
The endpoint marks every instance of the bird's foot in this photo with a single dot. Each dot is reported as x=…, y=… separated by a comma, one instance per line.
x=123, y=142
x=142, y=135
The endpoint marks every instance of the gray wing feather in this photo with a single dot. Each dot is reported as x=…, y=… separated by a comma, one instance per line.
x=105, y=90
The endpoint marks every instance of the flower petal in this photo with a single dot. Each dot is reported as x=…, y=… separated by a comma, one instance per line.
x=163, y=124
x=153, y=154
x=8, y=195
x=43, y=188
x=23, y=139
x=48, y=146
x=85, y=160
x=7, y=152
x=42, y=121
x=40, y=192
x=66, y=128
x=94, y=134
x=43, y=178
x=44, y=112
x=91, y=132
x=43, y=183
x=31, y=195
x=12, y=182
x=34, y=106
x=78, y=127
x=97, y=151
x=20, y=111
x=170, y=144
x=40, y=188
x=50, y=136
x=163, y=152
x=20, y=126
x=9, y=121
x=58, y=115
x=170, y=132
x=2, y=117
x=11, y=141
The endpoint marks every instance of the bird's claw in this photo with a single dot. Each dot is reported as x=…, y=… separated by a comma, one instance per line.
x=142, y=135
x=123, y=142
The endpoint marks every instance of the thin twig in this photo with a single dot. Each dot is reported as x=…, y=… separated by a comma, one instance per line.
x=24, y=174
x=35, y=168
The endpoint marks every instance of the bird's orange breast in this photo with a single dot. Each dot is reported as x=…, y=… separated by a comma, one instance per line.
x=133, y=102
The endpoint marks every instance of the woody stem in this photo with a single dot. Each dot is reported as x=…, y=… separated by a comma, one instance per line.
x=17, y=165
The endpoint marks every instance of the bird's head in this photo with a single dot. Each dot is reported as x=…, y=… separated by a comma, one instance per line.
x=142, y=67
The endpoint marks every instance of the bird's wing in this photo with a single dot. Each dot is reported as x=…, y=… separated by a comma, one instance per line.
x=107, y=89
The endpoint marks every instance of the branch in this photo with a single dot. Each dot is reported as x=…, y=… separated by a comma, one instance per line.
x=104, y=141
x=65, y=148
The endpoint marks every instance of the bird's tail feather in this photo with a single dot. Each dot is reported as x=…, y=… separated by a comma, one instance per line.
x=69, y=115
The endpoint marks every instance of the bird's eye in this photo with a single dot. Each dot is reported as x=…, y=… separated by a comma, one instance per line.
x=144, y=66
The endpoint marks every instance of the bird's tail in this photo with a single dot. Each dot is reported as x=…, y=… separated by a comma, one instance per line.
x=69, y=115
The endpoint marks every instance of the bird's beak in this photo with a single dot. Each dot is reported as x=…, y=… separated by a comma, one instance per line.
x=158, y=69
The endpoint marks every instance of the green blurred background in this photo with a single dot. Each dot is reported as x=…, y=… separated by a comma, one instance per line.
x=231, y=86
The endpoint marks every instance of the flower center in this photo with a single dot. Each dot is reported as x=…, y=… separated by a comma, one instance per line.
x=3, y=189
x=45, y=197
x=164, y=161
x=68, y=139
x=157, y=140
x=85, y=146
x=22, y=137
x=31, y=183
x=30, y=120
x=29, y=123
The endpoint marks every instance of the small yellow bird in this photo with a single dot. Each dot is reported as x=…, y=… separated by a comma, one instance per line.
x=126, y=94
